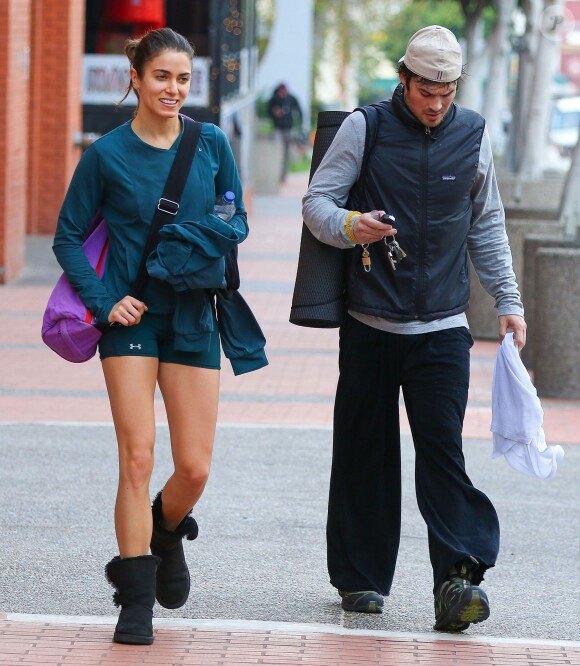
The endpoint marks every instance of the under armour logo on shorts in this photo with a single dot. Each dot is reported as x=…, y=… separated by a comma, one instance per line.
x=132, y=346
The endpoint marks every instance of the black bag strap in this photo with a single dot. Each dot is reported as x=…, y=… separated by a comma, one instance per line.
x=370, y=113
x=168, y=205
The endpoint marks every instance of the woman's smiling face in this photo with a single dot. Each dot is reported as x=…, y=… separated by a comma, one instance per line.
x=165, y=83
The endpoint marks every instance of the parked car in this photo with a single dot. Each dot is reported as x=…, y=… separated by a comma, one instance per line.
x=565, y=125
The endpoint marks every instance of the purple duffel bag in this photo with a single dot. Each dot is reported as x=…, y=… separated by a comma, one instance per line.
x=68, y=327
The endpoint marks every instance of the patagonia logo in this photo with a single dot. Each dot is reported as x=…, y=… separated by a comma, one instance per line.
x=448, y=176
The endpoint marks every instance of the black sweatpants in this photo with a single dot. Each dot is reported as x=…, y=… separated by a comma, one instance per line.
x=364, y=511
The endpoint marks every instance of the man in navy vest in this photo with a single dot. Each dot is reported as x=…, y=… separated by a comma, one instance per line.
x=430, y=167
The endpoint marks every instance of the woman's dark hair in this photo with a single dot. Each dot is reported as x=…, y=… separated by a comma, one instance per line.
x=408, y=74
x=141, y=51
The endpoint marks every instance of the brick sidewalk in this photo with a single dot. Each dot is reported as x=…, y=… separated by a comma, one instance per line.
x=296, y=388
x=84, y=644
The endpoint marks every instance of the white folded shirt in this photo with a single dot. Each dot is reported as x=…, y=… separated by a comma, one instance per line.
x=517, y=417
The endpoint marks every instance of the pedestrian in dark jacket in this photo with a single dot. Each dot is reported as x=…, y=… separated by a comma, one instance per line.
x=286, y=114
x=431, y=168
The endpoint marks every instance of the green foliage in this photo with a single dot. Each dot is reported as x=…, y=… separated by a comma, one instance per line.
x=381, y=29
x=262, y=108
x=265, y=12
x=348, y=31
x=300, y=162
x=416, y=15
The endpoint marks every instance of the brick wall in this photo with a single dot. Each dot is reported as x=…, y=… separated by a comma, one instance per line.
x=40, y=71
x=14, y=81
x=55, y=109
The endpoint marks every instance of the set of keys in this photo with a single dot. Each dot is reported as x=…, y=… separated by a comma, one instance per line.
x=395, y=252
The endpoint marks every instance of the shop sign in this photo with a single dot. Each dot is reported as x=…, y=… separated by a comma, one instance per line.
x=105, y=79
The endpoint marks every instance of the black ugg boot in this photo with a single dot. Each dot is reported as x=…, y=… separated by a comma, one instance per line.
x=134, y=581
x=172, y=575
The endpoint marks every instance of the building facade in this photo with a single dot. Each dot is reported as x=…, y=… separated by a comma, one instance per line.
x=62, y=68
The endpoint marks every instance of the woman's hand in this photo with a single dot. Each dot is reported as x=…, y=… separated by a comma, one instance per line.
x=369, y=229
x=127, y=312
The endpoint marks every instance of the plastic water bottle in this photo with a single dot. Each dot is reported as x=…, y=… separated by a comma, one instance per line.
x=225, y=206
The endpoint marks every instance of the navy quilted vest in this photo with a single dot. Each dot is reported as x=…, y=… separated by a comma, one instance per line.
x=425, y=180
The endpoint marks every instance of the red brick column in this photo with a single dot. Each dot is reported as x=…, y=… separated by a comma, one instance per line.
x=57, y=47
x=14, y=81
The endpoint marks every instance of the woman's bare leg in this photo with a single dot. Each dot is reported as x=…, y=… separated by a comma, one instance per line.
x=191, y=401
x=131, y=382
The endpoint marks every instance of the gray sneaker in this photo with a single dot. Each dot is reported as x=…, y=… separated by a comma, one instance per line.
x=365, y=601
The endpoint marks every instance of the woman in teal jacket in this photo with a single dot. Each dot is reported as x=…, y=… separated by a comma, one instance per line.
x=123, y=174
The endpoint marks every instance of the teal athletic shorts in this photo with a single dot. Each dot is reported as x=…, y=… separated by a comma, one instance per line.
x=153, y=336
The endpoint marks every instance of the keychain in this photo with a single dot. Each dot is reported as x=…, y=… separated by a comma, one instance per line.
x=395, y=252
x=366, y=258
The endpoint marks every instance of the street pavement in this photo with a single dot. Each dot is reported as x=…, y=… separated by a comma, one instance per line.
x=260, y=587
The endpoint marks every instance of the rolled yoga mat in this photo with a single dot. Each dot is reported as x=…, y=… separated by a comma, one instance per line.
x=318, y=299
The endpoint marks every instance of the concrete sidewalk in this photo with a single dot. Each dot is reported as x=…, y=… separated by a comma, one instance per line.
x=261, y=592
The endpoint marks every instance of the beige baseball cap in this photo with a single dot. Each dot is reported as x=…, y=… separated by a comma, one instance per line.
x=434, y=53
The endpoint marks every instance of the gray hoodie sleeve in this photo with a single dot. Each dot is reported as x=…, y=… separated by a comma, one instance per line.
x=487, y=240
x=322, y=205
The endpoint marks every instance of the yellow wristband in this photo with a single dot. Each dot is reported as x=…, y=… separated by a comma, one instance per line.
x=349, y=231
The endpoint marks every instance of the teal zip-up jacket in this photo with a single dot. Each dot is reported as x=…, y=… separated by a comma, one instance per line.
x=190, y=257
x=124, y=177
